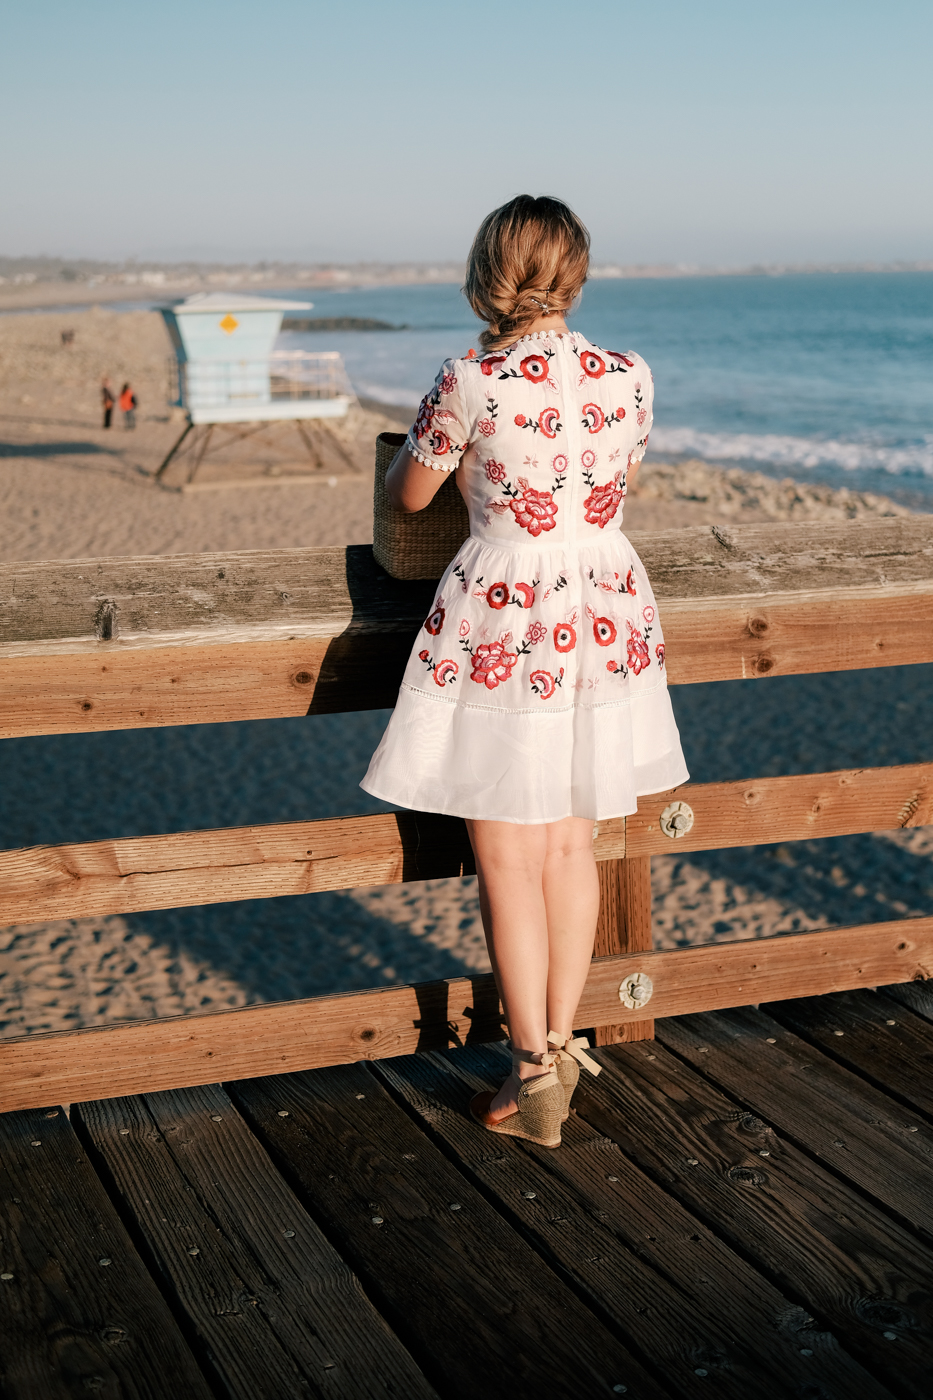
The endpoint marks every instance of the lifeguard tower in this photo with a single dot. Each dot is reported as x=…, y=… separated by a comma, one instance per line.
x=232, y=382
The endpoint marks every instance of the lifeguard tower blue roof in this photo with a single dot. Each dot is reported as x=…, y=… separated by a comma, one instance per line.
x=229, y=371
x=226, y=325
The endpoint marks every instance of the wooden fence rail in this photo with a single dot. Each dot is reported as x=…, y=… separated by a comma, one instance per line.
x=129, y=643
x=261, y=862
x=205, y=638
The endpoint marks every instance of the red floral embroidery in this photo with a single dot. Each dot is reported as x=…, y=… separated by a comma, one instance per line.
x=534, y=510
x=549, y=422
x=495, y=471
x=425, y=416
x=497, y=595
x=660, y=653
x=630, y=583
x=534, y=367
x=593, y=417
x=544, y=684
x=588, y=458
x=445, y=671
x=559, y=463
x=492, y=664
x=487, y=366
x=526, y=594
x=520, y=420
x=604, y=630
x=592, y=365
x=648, y=614
x=486, y=426
x=422, y=656
x=603, y=502
x=436, y=621
x=565, y=637
x=536, y=633
x=617, y=355
x=620, y=414
x=439, y=443
x=448, y=383
x=642, y=413
x=638, y=655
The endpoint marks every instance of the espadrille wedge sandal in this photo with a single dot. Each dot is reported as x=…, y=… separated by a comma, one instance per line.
x=570, y=1056
x=540, y=1103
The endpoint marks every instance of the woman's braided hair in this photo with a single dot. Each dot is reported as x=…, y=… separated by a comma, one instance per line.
x=529, y=259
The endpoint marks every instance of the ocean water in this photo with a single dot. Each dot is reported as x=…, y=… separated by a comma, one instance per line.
x=825, y=377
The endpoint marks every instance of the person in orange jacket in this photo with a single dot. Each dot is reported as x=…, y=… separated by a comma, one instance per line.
x=128, y=406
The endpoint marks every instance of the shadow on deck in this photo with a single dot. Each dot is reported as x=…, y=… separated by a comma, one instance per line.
x=742, y=1207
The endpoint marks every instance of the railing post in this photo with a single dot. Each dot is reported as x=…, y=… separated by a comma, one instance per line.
x=624, y=927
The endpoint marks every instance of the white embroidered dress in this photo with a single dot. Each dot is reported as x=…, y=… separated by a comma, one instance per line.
x=536, y=688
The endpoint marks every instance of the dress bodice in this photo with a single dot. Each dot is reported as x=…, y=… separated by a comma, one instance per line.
x=544, y=432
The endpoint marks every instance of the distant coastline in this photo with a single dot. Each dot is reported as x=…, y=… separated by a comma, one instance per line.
x=28, y=284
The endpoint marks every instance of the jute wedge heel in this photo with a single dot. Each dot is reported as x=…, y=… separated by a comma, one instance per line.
x=570, y=1056
x=540, y=1103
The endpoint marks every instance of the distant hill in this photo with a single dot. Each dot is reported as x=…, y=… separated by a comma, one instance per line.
x=337, y=323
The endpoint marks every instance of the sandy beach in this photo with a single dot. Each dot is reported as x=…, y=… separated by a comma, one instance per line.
x=70, y=489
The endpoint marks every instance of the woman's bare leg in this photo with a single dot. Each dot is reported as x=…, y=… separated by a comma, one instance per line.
x=571, y=898
x=539, y=900
x=510, y=869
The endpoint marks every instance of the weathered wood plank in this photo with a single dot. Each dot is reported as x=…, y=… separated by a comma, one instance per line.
x=662, y=1280
x=872, y=1034
x=917, y=995
x=268, y=1297
x=256, y=862
x=846, y=1260
x=476, y=1306
x=624, y=927
x=126, y=643
x=176, y=1052
x=827, y=1110
x=318, y=591
x=79, y=1313
x=217, y=867
x=799, y=807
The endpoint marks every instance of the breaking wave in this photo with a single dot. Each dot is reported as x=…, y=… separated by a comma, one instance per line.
x=796, y=454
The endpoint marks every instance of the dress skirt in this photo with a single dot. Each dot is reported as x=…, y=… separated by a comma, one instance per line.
x=536, y=690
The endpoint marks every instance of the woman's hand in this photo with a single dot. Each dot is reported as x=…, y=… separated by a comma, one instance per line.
x=410, y=485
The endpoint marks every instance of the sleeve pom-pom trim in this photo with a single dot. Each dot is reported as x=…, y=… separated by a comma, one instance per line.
x=429, y=461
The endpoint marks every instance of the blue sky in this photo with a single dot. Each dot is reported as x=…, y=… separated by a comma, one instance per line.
x=717, y=133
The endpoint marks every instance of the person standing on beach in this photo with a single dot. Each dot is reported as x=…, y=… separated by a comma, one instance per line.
x=535, y=699
x=107, y=400
x=128, y=407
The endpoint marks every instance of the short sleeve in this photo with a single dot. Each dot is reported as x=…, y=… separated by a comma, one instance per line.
x=441, y=432
x=644, y=408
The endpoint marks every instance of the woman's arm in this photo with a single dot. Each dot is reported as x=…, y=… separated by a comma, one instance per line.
x=411, y=485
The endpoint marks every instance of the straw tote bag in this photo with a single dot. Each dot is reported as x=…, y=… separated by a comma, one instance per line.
x=418, y=545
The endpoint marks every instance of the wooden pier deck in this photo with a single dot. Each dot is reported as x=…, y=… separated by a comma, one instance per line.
x=742, y=1207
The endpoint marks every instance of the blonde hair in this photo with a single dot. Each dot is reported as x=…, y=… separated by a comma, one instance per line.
x=529, y=259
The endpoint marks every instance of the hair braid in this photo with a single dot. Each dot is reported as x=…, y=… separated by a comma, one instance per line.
x=529, y=258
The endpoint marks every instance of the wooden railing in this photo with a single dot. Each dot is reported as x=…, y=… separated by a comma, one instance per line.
x=132, y=643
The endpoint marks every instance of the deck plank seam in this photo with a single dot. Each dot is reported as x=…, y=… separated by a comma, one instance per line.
x=184, y=1321
x=409, y=1339
x=737, y=1241
x=799, y=1142
x=862, y=1072
x=514, y=1221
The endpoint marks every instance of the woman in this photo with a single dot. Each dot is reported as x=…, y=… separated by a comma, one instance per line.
x=535, y=699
